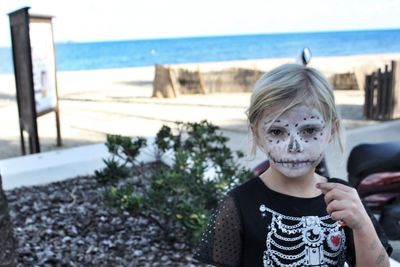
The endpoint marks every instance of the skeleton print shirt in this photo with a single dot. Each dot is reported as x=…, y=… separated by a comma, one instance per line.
x=257, y=227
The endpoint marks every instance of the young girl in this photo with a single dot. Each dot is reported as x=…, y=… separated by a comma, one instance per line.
x=290, y=215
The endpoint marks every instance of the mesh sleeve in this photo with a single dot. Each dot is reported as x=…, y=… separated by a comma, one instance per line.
x=221, y=243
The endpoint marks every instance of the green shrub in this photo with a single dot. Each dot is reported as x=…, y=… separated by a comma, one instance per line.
x=183, y=195
x=113, y=171
x=124, y=151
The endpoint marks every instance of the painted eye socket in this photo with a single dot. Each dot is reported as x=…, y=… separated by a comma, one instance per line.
x=310, y=131
x=275, y=132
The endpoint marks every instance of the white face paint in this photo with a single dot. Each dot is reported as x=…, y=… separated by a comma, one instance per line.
x=295, y=142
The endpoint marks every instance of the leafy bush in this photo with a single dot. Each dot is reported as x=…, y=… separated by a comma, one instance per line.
x=124, y=151
x=183, y=195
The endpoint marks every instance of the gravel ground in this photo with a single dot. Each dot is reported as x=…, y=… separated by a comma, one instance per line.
x=68, y=224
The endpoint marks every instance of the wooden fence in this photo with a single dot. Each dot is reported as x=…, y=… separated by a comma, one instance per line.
x=172, y=82
x=382, y=93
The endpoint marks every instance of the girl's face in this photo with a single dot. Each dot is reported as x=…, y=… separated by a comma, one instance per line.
x=295, y=142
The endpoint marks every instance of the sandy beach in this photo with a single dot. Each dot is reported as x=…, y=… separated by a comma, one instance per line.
x=94, y=103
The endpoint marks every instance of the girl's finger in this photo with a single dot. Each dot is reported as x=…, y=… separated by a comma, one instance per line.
x=335, y=195
x=339, y=215
x=336, y=205
x=326, y=187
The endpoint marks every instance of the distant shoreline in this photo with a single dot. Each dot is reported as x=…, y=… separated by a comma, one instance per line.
x=193, y=50
x=330, y=64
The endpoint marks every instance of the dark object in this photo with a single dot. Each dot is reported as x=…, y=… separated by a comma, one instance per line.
x=24, y=71
x=374, y=170
x=390, y=220
x=7, y=241
x=366, y=159
x=382, y=93
x=305, y=56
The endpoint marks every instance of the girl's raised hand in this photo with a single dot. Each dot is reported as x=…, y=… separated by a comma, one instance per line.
x=344, y=204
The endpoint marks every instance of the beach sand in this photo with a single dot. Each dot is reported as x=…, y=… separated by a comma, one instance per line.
x=118, y=101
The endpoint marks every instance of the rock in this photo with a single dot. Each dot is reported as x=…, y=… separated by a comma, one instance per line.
x=66, y=239
x=84, y=232
x=138, y=253
x=7, y=241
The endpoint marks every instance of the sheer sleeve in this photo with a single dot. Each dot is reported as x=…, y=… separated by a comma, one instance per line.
x=221, y=243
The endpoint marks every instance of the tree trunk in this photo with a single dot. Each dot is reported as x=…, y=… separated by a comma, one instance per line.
x=7, y=241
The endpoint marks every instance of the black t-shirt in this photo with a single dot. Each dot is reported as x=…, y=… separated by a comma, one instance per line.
x=255, y=226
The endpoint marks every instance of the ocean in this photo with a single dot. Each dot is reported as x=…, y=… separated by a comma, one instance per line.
x=135, y=53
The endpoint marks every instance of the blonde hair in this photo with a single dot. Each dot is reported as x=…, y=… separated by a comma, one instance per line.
x=287, y=86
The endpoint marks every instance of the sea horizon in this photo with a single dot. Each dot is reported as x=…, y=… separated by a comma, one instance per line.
x=108, y=54
x=217, y=35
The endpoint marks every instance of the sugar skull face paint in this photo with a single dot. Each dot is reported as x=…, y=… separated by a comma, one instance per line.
x=295, y=142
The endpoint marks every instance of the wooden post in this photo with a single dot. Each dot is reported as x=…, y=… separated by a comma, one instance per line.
x=382, y=95
x=390, y=93
x=367, y=96
x=377, y=93
x=172, y=80
x=396, y=90
x=201, y=81
x=372, y=96
x=388, y=88
x=58, y=125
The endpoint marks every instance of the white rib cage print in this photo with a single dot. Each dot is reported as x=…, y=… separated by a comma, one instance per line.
x=302, y=241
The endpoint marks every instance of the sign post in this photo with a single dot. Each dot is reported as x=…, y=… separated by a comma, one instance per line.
x=35, y=73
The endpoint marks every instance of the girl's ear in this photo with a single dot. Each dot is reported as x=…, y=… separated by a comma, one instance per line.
x=254, y=132
x=334, y=129
x=253, y=129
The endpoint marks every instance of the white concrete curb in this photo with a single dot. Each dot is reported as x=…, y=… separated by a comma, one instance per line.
x=53, y=166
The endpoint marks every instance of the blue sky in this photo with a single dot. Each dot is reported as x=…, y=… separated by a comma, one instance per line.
x=99, y=20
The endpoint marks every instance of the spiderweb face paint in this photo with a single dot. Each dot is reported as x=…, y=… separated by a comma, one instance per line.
x=295, y=142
